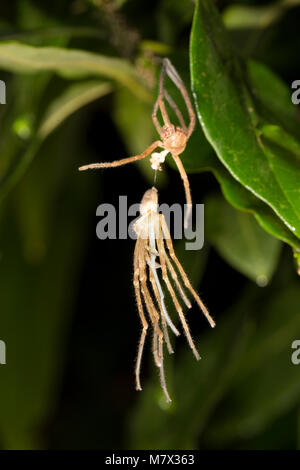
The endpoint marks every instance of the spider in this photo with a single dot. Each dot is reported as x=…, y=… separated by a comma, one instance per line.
x=173, y=138
x=154, y=242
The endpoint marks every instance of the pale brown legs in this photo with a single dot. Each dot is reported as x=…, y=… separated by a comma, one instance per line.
x=176, y=110
x=167, y=68
x=153, y=314
x=163, y=257
x=163, y=320
x=182, y=272
x=187, y=189
x=162, y=374
x=136, y=283
x=140, y=282
x=146, y=251
x=124, y=161
x=159, y=103
x=173, y=75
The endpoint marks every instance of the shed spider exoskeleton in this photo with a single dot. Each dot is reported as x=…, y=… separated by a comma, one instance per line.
x=173, y=138
x=154, y=242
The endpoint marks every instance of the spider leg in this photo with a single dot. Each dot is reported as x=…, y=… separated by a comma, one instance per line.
x=153, y=268
x=162, y=374
x=124, y=161
x=153, y=314
x=159, y=339
x=159, y=103
x=182, y=272
x=155, y=349
x=142, y=317
x=163, y=320
x=162, y=254
x=154, y=115
x=187, y=189
x=172, y=73
x=154, y=322
x=176, y=110
x=176, y=280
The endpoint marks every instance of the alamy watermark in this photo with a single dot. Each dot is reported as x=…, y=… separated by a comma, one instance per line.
x=2, y=92
x=115, y=223
x=296, y=94
x=2, y=352
x=295, y=357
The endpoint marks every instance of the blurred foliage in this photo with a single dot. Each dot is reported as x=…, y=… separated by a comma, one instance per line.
x=245, y=381
x=247, y=149
x=233, y=233
x=65, y=62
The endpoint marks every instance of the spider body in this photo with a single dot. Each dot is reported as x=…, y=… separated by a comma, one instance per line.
x=173, y=138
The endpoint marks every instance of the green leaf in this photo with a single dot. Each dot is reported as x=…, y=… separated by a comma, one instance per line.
x=266, y=383
x=232, y=121
x=19, y=127
x=74, y=97
x=199, y=157
x=21, y=58
x=42, y=253
x=266, y=85
x=260, y=16
x=240, y=240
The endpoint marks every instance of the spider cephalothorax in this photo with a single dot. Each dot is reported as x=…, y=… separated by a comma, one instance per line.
x=173, y=139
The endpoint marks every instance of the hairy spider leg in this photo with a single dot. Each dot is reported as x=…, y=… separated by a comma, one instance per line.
x=144, y=322
x=159, y=103
x=176, y=110
x=153, y=314
x=172, y=73
x=162, y=374
x=162, y=253
x=187, y=189
x=124, y=161
x=163, y=320
x=153, y=267
x=182, y=272
x=157, y=335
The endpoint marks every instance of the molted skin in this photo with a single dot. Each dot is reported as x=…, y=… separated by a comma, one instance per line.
x=174, y=139
x=149, y=201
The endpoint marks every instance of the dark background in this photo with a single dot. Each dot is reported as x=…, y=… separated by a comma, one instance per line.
x=68, y=311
